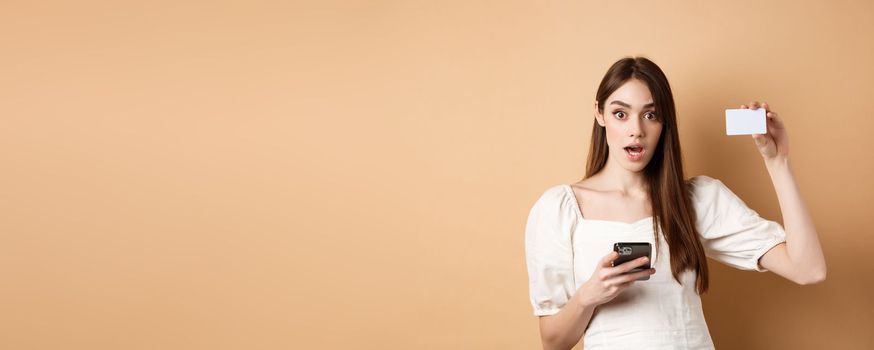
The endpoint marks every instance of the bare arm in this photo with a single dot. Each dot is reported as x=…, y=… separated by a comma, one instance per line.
x=800, y=259
x=564, y=329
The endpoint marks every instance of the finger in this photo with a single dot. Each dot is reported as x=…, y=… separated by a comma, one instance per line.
x=631, y=277
x=744, y=107
x=766, y=106
x=754, y=105
x=775, y=120
x=642, y=274
x=630, y=265
x=607, y=260
x=624, y=285
x=761, y=140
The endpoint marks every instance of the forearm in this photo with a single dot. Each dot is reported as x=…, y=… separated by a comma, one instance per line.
x=802, y=242
x=568, y=325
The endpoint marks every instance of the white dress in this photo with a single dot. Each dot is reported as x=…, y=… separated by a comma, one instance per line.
x=562, y=249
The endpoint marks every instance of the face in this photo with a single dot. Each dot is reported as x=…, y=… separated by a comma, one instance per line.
x=631, y=120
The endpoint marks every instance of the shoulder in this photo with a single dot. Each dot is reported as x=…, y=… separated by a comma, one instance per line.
x=551, y=220
x=712, y=194
x=555, y=202
x=554, y=192
x=702, y=180
x=703, y=186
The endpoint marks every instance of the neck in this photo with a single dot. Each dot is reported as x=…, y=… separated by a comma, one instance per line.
x=627, y=182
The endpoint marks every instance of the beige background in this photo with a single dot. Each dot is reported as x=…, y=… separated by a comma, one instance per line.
x=274, y=175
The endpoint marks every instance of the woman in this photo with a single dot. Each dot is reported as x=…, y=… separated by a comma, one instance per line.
x=635, y=191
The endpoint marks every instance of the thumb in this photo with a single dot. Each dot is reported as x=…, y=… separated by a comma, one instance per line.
x=607, y=260
x=760, y=139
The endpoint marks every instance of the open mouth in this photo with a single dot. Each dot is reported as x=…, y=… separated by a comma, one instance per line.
x=635, y=152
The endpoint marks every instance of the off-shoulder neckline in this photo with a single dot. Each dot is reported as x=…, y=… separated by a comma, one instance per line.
x=579, y=212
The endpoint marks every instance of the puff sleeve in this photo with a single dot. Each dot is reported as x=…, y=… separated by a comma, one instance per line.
x=549, y=251
x=731, y=232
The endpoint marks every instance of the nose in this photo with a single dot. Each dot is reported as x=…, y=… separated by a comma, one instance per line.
x=634, y=127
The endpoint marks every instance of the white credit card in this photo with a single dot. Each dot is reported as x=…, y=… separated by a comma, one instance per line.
x=745, y=121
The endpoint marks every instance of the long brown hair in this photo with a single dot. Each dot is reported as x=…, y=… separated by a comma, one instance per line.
x=669, y=192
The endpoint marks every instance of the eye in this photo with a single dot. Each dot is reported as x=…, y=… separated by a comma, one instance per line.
x=619, y=114
x=650, y=116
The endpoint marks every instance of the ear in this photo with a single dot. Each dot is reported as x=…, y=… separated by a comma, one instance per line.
x=598, y=116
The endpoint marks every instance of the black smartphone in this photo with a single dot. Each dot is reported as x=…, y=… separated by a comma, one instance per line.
x=632, y=250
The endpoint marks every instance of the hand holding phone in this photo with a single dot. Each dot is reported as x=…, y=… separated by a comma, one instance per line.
x=629, y=251
x=612, y=277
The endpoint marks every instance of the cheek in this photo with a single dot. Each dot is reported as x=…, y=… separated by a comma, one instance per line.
x=657, y=131
x=615, y=132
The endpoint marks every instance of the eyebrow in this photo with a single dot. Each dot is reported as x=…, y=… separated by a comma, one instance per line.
x=617, y=102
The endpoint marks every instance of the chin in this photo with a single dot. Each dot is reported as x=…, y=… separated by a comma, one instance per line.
x=629, y=165
x=636, y=166
x=635, y=169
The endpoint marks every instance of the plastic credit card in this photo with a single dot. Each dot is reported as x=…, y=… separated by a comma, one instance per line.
x=745, y=121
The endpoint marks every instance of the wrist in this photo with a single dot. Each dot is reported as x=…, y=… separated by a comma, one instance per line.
x=777, y=163
x=583, y=301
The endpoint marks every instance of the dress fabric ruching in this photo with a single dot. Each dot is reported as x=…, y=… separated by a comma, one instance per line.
x=562, y=249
